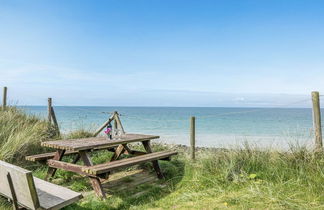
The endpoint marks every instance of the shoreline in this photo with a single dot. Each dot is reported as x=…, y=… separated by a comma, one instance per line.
x=232, y=141
x=235, y=141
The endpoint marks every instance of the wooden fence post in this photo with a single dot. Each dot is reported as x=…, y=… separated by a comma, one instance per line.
x=4, y=98
x=115, y=121
x=55, y=121
x=52, y=117
x=317, y=121
x=192, y=138
x=49, y=110
x=119, y=124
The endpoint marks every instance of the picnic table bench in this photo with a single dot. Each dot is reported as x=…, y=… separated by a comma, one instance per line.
x=82, y=148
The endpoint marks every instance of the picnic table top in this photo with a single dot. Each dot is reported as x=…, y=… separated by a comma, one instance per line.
x=96, y=142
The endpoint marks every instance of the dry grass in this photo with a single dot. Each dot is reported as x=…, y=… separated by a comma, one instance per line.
x=21, y=134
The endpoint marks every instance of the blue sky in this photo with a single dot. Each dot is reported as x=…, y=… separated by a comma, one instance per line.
x=161, y=53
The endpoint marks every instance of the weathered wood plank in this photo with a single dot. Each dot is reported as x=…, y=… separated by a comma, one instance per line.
x=58, y=156
x=118, y=121
x=52, y=196
x=13, y=192
x=155, y=163
x=118, y=152
x=49, y=110
x=95, y=142
x=23, y=184
x=193, y=138
x=4, y=98
x=317, y=121
x=67, y=167
x=34, y=193
x=55, y=122
x=50, y=155
x=106, y=167
x=96, y=184
x=46, y=156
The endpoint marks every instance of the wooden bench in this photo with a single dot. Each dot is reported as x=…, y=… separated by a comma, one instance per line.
x=22, y=188
x=101, y=169
x=117, y=164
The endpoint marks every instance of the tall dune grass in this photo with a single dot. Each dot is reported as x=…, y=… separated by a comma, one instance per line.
x=20, y=134
x=249, y=177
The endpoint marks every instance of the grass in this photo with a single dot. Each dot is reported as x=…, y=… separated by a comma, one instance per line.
x=21, y=134
x=242, y=178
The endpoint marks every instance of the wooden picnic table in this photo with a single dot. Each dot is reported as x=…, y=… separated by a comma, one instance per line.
x=97, y=173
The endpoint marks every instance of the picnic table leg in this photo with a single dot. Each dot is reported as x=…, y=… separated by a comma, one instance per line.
x=156, y=166
x=127, y=151
x=96, y=184
x=51, y=171
x=119, y=150
x=76, y=158
x=117, y=153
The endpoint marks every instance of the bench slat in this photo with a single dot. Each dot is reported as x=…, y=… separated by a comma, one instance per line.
x=67, y=166
x=52, y=196
x=50, y=155
x=106, y=167
x=45, y=156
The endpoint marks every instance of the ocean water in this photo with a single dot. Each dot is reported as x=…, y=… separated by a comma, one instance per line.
x=215, y=127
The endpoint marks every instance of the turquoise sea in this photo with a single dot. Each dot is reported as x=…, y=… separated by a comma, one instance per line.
x=215, y=127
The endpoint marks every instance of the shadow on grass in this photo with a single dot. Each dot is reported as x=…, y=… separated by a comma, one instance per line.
x=137, y=189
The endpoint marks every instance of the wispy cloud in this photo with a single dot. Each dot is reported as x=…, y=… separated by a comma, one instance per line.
x=32, y=84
